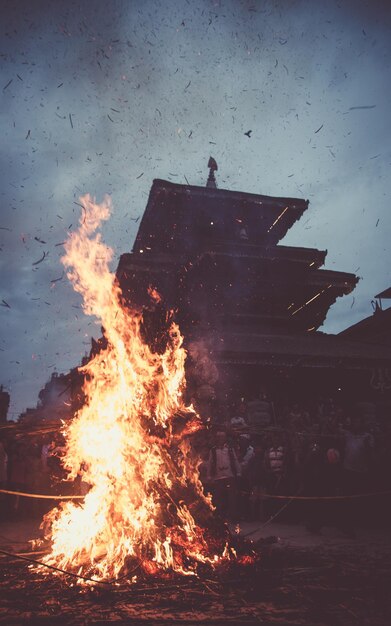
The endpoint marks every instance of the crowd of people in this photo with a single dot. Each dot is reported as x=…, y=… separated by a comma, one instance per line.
x=32, y=465
x=327, y=460
x=319, y=464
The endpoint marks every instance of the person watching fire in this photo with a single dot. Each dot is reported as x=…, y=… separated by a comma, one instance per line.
x=223, y=472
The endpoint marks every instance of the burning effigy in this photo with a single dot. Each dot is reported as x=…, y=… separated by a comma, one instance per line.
x=145, y=510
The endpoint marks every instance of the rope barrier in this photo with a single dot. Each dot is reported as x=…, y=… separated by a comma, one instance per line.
x=273, y=517
x=263, y=495
x=344, y=497
x=254, y=430
x=40, y=495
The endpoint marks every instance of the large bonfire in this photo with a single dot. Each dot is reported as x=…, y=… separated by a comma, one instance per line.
x=129, y=441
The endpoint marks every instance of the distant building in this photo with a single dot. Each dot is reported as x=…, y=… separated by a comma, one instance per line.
x=58, y=399
x=375, y=330
x=377, y=327
x=4, y=404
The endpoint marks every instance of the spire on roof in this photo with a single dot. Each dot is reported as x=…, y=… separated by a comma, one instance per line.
x=211, y=182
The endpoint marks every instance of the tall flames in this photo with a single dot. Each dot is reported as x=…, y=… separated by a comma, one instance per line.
x=129, y=441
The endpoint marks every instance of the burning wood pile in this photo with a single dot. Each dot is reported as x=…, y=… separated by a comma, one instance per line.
x=145, y=511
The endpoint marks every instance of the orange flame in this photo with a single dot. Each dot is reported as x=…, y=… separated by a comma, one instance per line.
x=122, y=441
x=154, y=294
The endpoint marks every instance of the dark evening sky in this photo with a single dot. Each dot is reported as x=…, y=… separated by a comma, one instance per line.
x=102, y=97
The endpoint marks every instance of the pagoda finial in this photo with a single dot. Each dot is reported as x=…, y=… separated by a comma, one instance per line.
x=211, y=182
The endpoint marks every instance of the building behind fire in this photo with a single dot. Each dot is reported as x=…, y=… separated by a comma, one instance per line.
x=249, y=307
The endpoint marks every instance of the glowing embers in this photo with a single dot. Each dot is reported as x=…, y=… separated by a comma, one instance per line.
x=278, y=219
x=310, y=300
x=129, y=440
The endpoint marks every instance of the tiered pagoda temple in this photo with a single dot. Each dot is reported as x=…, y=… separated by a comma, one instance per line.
x=244, y=302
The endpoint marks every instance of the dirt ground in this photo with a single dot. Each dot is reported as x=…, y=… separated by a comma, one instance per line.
x=300, y=579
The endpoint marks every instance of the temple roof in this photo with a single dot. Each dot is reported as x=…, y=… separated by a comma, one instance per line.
x=213, y=254
x=297, y=350
x=248, y=287
x=180, y=216
x=277, y=254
